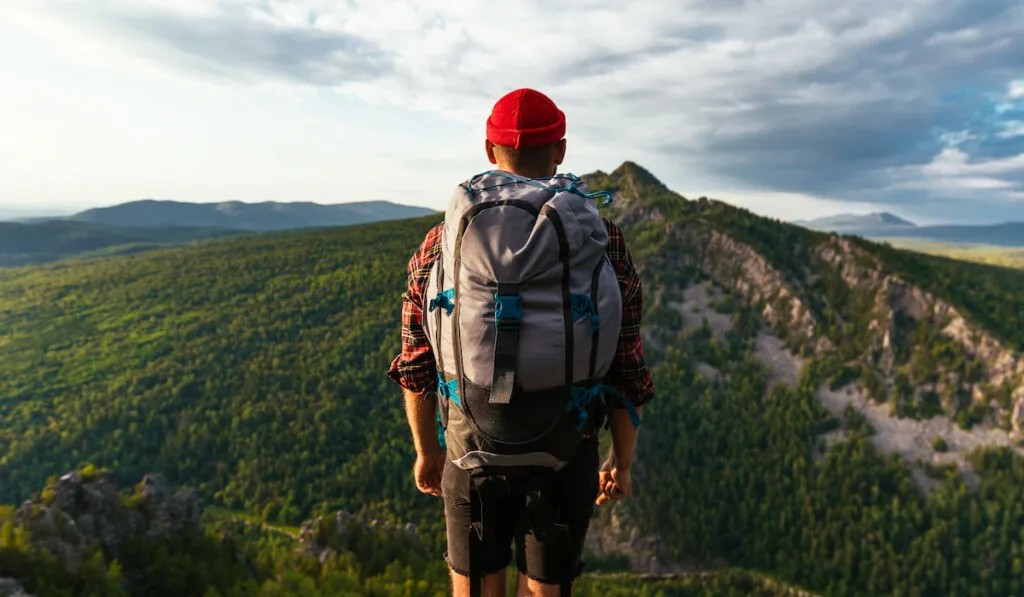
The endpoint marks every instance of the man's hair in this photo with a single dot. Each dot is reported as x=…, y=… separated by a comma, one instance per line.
x=527, y=158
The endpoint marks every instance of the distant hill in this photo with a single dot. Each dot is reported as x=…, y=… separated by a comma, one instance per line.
x=248, y=216
x=844, y=222
x=53, y=240
x=144, y=225
x=886, y=225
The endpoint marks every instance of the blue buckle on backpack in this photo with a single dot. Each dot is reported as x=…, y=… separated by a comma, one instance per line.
x=508, y=311
x=449, y=390
x=444, y=300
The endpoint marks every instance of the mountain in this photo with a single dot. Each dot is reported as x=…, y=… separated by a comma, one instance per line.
x=888, y=226
x=874, y=221
x=831, y=413
x=52, y=240
x=247, y=216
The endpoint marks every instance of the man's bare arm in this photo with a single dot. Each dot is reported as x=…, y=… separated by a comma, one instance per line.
x=421, y=411
x=623, y=438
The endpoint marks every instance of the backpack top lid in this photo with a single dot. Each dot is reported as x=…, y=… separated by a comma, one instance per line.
x=579, y=217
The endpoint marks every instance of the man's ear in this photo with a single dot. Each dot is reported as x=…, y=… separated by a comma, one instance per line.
x=489, y=148
x=560, y=153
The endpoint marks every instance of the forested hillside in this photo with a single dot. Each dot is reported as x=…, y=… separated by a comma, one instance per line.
x=253, y=370
x=142, y=542
x=43, y=242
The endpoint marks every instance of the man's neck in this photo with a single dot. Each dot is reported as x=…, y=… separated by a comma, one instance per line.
x=529, y=173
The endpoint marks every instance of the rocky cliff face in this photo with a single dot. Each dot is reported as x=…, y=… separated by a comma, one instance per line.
x=895, y=297
x=80, y=510
x=740, y=268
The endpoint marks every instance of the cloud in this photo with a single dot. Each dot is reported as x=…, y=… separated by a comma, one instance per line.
x=236, y=41
x=857, y=100
x=1016, y=90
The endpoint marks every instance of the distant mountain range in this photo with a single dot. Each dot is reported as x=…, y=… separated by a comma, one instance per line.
x=843, y=222
x=148, y=224
x=248, y=216
x=886, y=225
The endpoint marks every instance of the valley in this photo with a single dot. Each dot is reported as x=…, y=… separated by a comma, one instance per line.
x=802, y=379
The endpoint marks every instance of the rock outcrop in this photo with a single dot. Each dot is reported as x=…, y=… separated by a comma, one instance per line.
x=11, y=588
x=323, y=536
x=616, y=536
x=84, y=508
x=895, y=296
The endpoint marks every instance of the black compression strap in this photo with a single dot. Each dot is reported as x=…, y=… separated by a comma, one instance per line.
x=508, y=318
x=563, y=245
x=438, y=322
x=595, y=339
x=476, y=531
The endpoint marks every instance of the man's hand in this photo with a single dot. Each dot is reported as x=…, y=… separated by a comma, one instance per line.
x=615, y=480
x=428, y=469
x=616, y=484
x=421, y=410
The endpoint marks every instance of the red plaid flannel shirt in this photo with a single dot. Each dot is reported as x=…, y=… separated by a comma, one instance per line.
x=414, y=368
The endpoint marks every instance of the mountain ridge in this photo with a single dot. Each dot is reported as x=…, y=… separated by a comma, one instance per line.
x=260, y=216
x=840, y=222
x=253, y=368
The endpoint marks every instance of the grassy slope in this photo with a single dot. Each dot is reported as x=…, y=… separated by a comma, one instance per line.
x=987, y=254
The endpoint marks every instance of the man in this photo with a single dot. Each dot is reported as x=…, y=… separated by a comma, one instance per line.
x=546, y=519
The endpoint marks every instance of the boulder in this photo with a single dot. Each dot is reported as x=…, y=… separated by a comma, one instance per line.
x=11, y=588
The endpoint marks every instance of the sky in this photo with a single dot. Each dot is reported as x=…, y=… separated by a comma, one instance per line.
x=792, y=108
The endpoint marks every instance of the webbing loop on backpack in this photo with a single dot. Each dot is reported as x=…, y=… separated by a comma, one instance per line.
x=508, y=317
x=440, y=430
x=583, y=306
x=583, y=397
x=449, y=390
x=444, y=300
x=624, y=402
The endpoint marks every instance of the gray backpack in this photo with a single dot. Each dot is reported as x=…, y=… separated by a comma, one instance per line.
x=523, y=311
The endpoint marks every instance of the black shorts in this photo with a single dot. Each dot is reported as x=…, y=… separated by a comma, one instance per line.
x=568, y=502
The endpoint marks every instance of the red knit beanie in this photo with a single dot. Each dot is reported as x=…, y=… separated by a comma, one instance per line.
x=525, y=118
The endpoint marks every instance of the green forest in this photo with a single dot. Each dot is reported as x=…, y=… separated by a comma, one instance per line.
x=253, y=370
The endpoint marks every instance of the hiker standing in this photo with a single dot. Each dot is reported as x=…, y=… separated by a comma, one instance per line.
x=520, y=339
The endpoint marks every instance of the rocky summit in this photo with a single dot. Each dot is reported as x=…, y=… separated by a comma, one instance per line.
x=85, y=508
